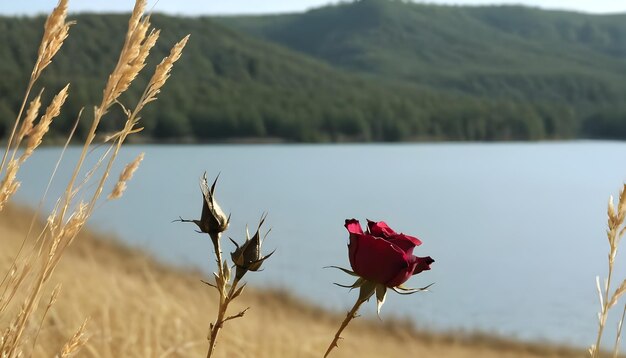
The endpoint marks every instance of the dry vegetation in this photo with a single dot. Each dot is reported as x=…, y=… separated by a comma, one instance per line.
x=139, y=308
x=23, y=289
x=608, y=298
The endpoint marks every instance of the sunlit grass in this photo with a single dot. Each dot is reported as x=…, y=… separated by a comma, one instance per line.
x=140, y=308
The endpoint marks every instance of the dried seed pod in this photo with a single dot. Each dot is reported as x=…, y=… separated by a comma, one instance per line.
x=247, y=257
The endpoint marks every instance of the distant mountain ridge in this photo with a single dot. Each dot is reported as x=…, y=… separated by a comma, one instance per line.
x=370, y=70
x=477, y=50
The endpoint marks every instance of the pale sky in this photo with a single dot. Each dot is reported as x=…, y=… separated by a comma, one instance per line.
x=212, y=7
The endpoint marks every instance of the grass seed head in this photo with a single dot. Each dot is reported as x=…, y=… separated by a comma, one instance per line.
x=56, y=30
x=9, y=184
x=31, y=114
x=36, y=134
x=125, y=176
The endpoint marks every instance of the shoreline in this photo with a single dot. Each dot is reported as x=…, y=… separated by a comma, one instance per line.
x=281, y=142
x=96, y=267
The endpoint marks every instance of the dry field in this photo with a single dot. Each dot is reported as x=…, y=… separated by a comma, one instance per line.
x=140, y=308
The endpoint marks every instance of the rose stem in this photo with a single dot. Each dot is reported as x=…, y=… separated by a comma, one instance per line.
x=344, y=324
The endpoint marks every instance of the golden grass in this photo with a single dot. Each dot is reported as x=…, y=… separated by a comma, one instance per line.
x=140, y=308
x=614, y=234
x=28, y=276
x=125, y=176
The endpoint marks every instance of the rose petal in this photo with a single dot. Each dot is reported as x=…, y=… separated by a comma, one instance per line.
x=401, y=277
x=405, y=242
x=377, y=259
x=416, y=265
x=353, y=226
x=380, y=229
x=353, y=247
x=423, y=264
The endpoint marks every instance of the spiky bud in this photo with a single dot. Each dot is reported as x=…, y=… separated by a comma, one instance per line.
x=212, y=221
x=247, y=257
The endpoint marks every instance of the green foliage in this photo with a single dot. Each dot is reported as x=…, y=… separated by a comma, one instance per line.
x=372, y=70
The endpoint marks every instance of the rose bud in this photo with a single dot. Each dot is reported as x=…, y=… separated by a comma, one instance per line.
x=383, y=256
x=381, y=259
x=212, y=221
x=247, y=257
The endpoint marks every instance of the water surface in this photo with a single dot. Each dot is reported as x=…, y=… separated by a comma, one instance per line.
x=517, y=230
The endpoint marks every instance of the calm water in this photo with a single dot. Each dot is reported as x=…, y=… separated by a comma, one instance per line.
x=517, y=230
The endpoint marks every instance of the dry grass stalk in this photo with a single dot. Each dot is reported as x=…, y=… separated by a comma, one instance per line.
x=618, y=337
x=31, y=274
x=16, y=275
x=125, y=176
x=163, y=71
x=31, y=114
x=74, y=344
x=35, y=136
x=9, y=184
x=51, y=302
x=132, y=57
x=56, y=30
x=615, y=231
x=132, y=117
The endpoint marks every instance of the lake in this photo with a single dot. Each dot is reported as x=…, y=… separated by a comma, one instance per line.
x=517, y=230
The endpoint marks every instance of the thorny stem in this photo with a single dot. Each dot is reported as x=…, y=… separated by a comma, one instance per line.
x=218, y=253
x=225, y=298
x=344, y=324
x=219, y=322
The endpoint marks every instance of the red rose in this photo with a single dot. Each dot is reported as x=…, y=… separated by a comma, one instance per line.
x=383, y=256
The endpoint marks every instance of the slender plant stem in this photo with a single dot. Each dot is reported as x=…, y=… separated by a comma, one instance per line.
x=219, y=322
x=605, y=309
x=218, y=254
x=31, y=83
x=17, y=121
x=215, y=330
x=225, y=297
x=344, y=324
x=619, y=333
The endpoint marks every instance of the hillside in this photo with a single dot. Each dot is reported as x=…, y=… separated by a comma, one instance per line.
x=140, y=308
x=497, y=50
x=373, y=70
x=509, y=52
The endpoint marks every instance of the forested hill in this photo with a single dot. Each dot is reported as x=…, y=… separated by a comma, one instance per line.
x=508, y=52
x=372, y=70
x=475, y=49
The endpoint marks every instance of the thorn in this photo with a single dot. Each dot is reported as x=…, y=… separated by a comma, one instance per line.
x=208, y=283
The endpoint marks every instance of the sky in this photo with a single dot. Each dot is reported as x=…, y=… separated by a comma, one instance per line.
x=212, y=7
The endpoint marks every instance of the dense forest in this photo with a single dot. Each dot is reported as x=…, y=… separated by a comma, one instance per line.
x=370, y=70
